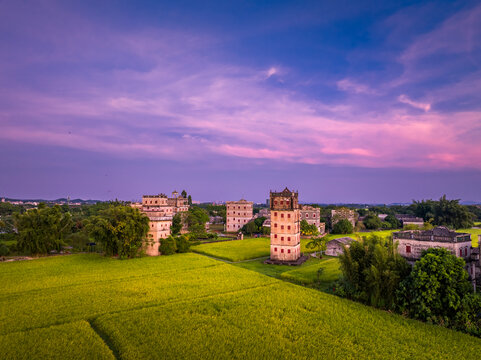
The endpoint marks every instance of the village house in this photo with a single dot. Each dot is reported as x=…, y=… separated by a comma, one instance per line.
x=335, y=247
x=238, y=213
x=341, y=214
x=312, y=215
x=411, y=244
x=285, y=227
x=160, y=210
x=410, y=220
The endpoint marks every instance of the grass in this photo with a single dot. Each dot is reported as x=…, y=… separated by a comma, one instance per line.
x=236, y=250
x=306, y=274
x=474, y=235
x=76, y=340
x=191, y=306
x=279, y=321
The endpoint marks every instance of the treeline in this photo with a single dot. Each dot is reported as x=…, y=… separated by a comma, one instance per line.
x=442, y=212
x=435, y=290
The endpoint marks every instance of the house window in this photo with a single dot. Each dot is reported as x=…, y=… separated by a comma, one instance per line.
x=282, y=251
x=275, y=214
x=313, y=215
x=460, y=252
x=288, y=251
x=408, y=249
x=288, y=216
x=275, y=249
x=282, y=202
x=275, y=236
x=282, y=216
x=466, y=252
x=282, y=238
x=307, y=215
x=275, y=202
x=288, y=227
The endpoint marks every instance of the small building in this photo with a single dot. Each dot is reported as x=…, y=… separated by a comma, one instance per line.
x=311, y=215
x=341, y=214
x=410, y=220
x=336, y=247
x=238, y=213
x=411, y=243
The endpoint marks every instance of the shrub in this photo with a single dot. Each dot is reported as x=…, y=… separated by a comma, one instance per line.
x=183, y=244
x=168, y=246
x=4, y=250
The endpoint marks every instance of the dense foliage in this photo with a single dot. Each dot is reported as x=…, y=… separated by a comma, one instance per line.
x=372, y=222
x=254, y=226
x=120, y=229
x=372, y=270
x=42, y=230
x=175, y=244
x=443, y=212
x=307, y=229
x=435, y=288
x=196, y=219
x=343, y=226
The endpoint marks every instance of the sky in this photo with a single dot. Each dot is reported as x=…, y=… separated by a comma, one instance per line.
x=344, y=101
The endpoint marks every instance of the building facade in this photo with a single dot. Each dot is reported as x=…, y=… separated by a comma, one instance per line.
x=312, y=216
x=238, y=213
x=285, y=226
x=410, y=220
x=160, y=210
x=341, y=214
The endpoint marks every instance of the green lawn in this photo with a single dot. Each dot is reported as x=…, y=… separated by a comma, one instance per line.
x=305, y=274
x=236, y=250
x=191, y=306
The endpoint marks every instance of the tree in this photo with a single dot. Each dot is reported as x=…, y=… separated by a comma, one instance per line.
x=343, y=226
x=168, y=246
x=443, y=212
x=196, y=219
x=318, y=244
x=176, y=224
x=183, y=244
x=371, y=271
x=435, y=288
x=189, y=200
x=254, y=226
x=307, y=229
x=121, y=229
x=42, y=230
x=372, y=222
x=184, y=194
x=250, y=228
x=395, y=223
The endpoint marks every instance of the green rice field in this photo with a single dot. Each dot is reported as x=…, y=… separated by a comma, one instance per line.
x=189, y=306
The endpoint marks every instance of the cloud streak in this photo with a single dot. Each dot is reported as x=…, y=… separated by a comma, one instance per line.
x=166, y=98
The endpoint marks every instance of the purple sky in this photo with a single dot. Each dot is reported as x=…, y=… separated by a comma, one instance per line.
x=346, y=102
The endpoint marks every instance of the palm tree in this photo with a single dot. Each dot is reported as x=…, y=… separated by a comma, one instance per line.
x=317, y=243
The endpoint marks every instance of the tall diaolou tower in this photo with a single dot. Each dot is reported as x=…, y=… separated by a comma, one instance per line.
x=285, y=226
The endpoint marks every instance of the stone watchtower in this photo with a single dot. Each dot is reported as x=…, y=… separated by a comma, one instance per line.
x=285, y=226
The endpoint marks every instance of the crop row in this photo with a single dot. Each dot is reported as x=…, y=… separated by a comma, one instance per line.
x=279, y=321
x=60, y=271
x=69, y=341
x=49, y=306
